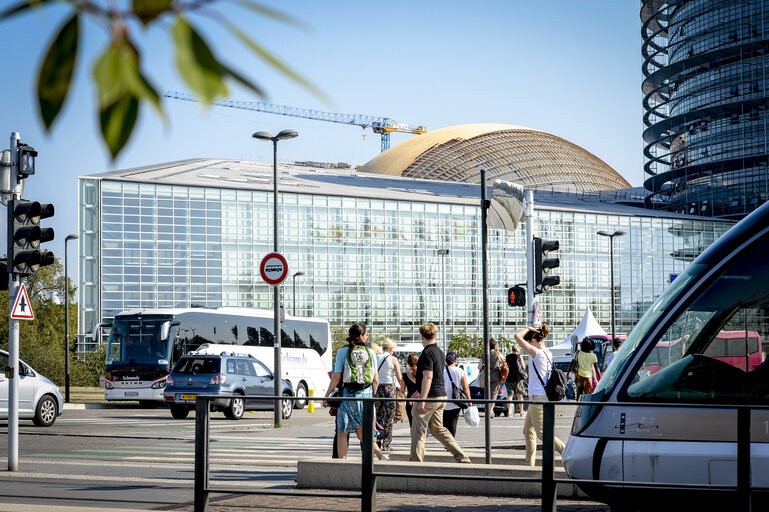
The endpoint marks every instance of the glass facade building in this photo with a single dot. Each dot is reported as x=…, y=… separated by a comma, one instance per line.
x=193, y=233
x=705, y=100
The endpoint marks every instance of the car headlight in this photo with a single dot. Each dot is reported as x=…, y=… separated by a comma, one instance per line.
x=159, y=384
x=108, y=385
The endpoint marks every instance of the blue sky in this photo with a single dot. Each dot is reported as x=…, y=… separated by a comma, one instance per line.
x=569, y=68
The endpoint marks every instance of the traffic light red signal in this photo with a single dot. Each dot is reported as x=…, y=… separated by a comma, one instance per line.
x=516, y=296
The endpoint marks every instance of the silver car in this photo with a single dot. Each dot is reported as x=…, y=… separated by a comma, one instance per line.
x=40, y=400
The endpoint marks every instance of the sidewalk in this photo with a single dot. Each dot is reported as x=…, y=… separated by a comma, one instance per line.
x=391, y=502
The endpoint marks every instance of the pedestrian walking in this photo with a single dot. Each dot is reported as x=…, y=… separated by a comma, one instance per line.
x=355, y=367
x=616, y=343
x=410, y=379
x=430, y=367
x=515, y=380
x=587, y=372
x=541, y=360
x=389, y=376
x=495, y=362
x=454, y=376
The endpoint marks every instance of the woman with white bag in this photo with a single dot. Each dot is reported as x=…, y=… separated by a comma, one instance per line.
x=454, y=377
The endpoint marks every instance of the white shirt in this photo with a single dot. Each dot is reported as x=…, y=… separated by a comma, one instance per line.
x=456, y=374
x=543, y=361
x=386, y=368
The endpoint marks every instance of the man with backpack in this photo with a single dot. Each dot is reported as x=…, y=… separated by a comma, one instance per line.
x=430, y=368
x=540, y=370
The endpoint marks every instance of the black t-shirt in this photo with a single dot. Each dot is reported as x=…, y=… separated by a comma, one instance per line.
x=432, y=358
x=512, y=364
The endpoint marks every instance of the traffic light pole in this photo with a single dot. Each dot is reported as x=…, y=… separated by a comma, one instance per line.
x=530, y=256
x=13, y=329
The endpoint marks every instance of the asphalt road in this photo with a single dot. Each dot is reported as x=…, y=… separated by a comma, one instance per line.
x=122, y=456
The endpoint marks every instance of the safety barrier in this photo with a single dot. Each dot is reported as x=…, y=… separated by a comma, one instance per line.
x=549, y=483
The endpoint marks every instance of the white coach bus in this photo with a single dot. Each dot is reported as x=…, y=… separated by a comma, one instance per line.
x=144, y=345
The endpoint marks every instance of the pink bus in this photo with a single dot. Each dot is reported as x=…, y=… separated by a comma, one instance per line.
x=741, y=349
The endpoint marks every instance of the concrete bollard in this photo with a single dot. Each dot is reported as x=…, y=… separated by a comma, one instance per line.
x=310, y=403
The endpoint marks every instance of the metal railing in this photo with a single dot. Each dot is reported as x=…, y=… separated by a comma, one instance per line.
x=548, y=481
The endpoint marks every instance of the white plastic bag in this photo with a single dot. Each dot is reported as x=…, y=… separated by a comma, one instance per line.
x=472, y=417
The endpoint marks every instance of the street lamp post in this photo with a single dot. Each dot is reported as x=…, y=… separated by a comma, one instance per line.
x=611, y=271
x=66, y=319
x=293, y=291
x=443, y=253
x=278, y=381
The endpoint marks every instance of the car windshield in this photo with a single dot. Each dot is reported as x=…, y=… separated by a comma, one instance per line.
x=197, y=365
x=136, y=340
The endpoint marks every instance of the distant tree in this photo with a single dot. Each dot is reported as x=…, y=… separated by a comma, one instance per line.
x=121, y=83
x=465, y=345
x=41, y=341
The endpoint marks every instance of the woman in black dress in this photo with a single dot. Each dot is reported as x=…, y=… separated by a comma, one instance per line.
x=410, y=378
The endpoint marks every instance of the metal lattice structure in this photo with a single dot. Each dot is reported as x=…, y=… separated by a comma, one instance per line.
x=705, y=101
x=529, y=157
x=384, y=126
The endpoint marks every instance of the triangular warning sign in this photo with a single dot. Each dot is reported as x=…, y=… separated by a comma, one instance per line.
x=22, y=308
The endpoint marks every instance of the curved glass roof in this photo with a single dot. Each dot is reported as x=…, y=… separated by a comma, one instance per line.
x=514, y=153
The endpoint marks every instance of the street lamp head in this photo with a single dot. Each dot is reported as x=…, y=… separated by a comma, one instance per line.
x=299, y=273
x=71, y=237
x=443, y=252
x=619, y=233
x=286, y=134
x=262, y=136
x=604, y=233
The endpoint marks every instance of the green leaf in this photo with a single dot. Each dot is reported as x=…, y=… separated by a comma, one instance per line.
x=268, y=12
x=196, y=62
x=117, y=122
x=55, y=74
x=149, y=10
x=275, y=62
x=244, y=81
x=116, y=73
x=20, y=8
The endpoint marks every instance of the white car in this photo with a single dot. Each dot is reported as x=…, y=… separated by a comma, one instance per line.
x=40, y=400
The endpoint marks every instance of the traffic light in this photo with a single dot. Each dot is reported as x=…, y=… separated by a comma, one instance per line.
x=543, y=265
x=516, y=296
x=27, y=235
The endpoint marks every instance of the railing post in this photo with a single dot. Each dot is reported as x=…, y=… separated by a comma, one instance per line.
x=201, y=454
x=367, y=478
x=548, y=464
x=743, y=459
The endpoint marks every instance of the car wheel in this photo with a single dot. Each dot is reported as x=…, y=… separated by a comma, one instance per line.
x=179, y=412
x=46, y=411
x=301, y=392
x=236, y=409
x=287, y=406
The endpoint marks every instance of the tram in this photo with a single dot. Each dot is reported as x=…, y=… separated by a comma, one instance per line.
x=700, y=343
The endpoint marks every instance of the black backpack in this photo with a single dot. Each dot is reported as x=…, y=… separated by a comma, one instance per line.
x=557, y=384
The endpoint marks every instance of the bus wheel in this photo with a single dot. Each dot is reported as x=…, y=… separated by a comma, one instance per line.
x=236, y=409
x=287, y=406
x=301, y=392
x=179, y=412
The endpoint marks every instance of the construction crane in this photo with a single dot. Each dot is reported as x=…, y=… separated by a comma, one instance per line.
x=381, y=125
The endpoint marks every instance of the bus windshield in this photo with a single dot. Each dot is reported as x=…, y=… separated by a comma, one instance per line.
x=136, y=340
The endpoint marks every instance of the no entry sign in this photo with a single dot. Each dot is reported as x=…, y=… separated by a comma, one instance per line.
x=274, y=268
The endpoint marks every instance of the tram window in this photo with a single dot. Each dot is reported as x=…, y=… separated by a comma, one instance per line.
x=713, y=350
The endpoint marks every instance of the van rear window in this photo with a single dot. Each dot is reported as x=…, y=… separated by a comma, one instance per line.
x=198, y=365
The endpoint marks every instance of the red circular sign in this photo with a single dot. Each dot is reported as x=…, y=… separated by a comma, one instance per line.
x=274, y=268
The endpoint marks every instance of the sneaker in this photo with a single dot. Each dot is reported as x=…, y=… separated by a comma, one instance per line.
x=385, y=456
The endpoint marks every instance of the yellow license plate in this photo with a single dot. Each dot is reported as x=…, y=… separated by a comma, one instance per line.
x=187, y=397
